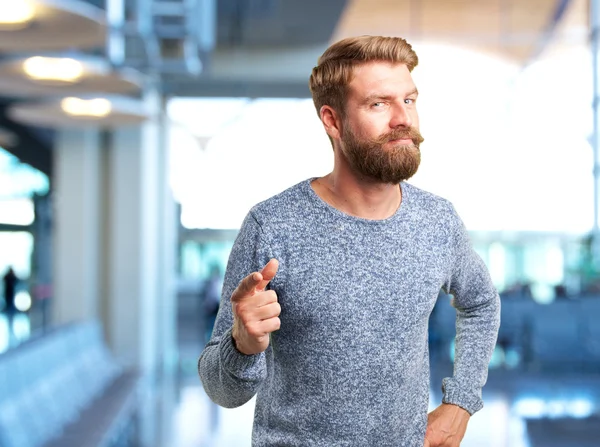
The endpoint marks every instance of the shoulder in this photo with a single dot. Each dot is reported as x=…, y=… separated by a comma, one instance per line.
x=434, y=212
x=283, y=206
x=428, y=202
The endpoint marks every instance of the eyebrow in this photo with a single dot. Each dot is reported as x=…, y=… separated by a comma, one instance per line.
x=378, y=96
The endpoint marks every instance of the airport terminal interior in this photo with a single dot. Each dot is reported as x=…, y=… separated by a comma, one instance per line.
x=135, y=135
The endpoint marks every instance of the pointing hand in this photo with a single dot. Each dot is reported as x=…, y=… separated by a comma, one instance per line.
x=255, y=310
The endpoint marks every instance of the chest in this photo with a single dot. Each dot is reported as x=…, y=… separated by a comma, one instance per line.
x=342, y=281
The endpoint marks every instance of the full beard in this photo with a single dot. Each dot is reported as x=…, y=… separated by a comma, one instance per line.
x=368, y=158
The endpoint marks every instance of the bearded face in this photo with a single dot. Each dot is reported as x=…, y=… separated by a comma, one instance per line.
x=392, y=164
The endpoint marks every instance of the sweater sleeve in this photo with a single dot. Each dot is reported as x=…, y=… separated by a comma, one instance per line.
x=229, y=377
x=477, y=306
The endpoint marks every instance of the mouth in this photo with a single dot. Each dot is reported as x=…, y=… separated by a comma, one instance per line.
x=403, y=141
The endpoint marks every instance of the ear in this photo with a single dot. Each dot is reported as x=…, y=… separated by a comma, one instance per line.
x=332, y=122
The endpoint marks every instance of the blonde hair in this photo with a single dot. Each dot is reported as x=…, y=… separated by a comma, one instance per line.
x=330, y=78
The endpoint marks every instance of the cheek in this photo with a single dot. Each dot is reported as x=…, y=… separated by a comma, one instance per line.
x=376, y=128
x=371, y=127
x=363, y=130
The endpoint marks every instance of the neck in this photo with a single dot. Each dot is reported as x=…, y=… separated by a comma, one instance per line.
x=358, y=196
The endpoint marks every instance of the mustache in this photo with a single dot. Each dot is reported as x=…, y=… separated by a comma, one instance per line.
x=401, y=134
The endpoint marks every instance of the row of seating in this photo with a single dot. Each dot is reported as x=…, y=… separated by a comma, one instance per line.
x=562, y=432
x=65, y=389
x=562, y=334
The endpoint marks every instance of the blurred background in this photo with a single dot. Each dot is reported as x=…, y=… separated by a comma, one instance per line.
x=136, y=134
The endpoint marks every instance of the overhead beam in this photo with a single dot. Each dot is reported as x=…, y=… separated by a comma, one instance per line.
x=213, y=88
x=270, y=72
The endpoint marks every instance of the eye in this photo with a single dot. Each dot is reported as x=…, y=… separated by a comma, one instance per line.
x=378, y=104
x=409, y=101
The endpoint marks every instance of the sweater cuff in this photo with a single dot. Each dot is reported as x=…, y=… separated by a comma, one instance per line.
x=466, y=399
x=242, y=366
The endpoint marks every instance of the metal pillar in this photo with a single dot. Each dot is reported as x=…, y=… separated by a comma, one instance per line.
x=115, y=43
x=161, y=36
x=595, y=44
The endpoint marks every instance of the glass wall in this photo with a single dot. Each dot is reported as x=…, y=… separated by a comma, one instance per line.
x=19, y=186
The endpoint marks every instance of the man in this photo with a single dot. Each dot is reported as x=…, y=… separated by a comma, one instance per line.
x=11, y=281
x=330, y=284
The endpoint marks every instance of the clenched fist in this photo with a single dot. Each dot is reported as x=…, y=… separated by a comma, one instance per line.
x=255, y=310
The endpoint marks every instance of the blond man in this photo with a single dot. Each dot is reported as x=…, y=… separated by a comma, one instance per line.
x=330, y=284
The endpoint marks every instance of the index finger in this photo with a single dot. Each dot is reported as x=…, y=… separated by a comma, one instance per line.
x=256, y=281
x=246, y=286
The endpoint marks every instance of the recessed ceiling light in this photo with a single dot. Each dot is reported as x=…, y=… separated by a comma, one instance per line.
x=86, y=108
x=15, y=14
x=53, y=69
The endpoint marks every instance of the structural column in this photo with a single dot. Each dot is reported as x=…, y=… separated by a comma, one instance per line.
x=76, y=226
x=168, y=237
x=140, y=272
x=114, y=238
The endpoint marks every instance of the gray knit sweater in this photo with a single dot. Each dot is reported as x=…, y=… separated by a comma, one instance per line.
x=350, y=364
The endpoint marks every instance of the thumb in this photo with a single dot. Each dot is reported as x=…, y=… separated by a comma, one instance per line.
x=268, y=273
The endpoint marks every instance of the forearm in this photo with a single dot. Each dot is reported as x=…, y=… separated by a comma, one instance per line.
x=229, y=377
x=476, y=334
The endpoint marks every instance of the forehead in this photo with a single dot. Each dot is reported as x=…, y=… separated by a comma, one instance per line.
x=372, y=77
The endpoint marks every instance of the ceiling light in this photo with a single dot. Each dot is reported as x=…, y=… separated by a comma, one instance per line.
x=15, y=14
x=86, y=108
x=52, y=69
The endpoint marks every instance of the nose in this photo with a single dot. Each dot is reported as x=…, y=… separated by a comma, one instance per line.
x=401, y=117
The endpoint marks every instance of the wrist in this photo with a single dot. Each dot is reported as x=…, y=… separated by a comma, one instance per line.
x=457, y=410
x=237, y=342
x=235, y=339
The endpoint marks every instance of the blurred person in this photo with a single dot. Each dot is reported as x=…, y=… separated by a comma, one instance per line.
x=330, y=284
x=11, y=281
x=210, y=296
x=560, y=292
